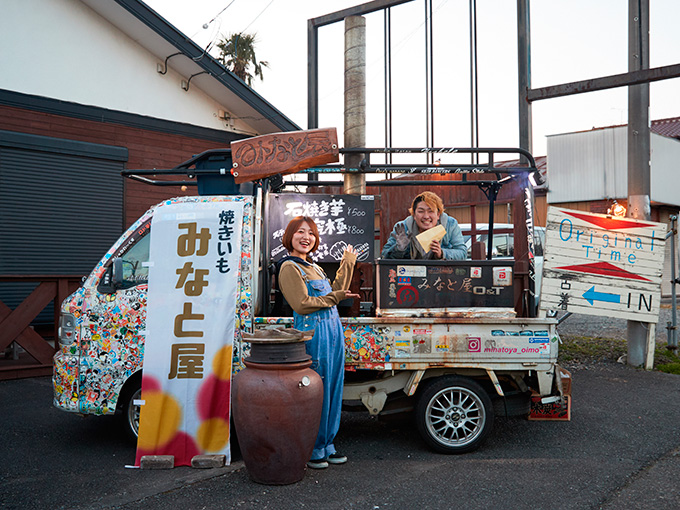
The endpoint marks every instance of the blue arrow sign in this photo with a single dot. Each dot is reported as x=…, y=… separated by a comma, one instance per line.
x=591, y=296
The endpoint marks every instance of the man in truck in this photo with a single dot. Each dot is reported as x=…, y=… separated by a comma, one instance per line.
x=427, y=214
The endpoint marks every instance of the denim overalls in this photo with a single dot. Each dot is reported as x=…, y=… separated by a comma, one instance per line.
x=327, y=349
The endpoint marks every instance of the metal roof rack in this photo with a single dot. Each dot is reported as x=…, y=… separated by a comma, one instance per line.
x=198, y=165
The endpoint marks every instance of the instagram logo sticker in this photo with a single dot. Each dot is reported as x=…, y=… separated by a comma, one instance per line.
x=474, y=344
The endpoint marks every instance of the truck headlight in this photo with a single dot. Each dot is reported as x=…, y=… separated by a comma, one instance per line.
x=67, y=329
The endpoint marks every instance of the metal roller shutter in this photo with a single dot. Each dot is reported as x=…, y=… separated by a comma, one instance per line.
x=61, y=207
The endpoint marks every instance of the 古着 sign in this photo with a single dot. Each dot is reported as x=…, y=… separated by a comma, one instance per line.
x=195, y=257
x=597, y=264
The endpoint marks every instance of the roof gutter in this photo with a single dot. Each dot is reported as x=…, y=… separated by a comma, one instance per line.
x=191, y=50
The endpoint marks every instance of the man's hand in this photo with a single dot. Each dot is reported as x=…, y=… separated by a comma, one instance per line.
x=436, y=249
x=401, y=237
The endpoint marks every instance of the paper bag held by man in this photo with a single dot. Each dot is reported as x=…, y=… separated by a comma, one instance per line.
x=433, y=234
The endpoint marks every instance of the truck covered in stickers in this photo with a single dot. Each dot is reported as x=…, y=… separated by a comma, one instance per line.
x=454, y=342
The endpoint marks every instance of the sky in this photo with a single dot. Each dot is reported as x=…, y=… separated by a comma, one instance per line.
x=570, y=41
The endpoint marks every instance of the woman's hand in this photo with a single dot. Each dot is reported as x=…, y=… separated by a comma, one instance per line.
x=351, y=249
x=350, y=294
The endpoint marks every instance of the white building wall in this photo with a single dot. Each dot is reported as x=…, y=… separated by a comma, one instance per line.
x=616, y=162
x=587, y=166
x=665, y=177
x=64, y=50
x=592, y=165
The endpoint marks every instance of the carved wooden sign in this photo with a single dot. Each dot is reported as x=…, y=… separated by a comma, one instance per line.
x=283, y=153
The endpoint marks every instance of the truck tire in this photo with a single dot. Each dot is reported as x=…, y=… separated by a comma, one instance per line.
x=132, y=391
x=130, y=412
x=454, y=415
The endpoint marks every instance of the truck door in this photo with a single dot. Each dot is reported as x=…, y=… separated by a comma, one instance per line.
x=112, y=345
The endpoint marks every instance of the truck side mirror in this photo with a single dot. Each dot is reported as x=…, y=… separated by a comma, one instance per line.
x=117, y=273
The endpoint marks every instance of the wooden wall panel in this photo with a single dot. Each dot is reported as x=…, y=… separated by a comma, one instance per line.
x=392, y=203
x=147, y=149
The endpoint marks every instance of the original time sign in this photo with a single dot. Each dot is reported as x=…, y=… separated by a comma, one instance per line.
x=598, y=264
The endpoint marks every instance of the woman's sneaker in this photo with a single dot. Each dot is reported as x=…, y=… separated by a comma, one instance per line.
x=336, y=458
x=317, y=464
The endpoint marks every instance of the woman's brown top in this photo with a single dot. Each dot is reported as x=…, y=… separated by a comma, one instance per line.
x=294, y=289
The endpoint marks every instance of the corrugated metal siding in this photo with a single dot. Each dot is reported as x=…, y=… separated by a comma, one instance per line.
x=665, y=174
x=615, y=143
x=593, y=165
x=60, y=212
x=587, y=166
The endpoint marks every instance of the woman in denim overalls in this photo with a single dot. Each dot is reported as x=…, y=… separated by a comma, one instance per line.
x=313, y=299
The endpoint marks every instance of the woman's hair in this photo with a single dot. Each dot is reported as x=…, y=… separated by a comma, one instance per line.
x=430, y=199
x=293, y=226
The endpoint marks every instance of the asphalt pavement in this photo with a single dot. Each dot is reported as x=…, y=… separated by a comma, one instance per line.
x=620, y=450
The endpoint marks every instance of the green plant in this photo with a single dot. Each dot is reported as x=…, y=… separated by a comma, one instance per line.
x=237, y=53
x=669, y=368
x=582, y=349
x=590, y=349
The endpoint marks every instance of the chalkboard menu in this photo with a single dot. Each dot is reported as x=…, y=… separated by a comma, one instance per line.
x=341, y=220
x=444, y=284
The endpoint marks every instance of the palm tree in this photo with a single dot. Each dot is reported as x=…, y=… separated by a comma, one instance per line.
x=237, y=52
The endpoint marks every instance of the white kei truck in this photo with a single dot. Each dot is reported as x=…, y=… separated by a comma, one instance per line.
x=456, y=343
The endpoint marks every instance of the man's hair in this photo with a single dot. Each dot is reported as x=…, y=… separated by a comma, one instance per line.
x=293, y=226
x=430, y=199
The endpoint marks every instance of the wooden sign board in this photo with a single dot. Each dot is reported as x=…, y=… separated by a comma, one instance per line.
x=283, y=153
x=442, y=284
x=597, y=264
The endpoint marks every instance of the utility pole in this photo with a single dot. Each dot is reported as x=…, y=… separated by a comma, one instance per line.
x=524, y=74
x=639, y=181
x=355, y=99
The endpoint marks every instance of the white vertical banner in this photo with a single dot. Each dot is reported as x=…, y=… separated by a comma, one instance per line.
x=193, y=289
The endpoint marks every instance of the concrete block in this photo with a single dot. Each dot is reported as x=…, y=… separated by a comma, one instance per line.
x=157, y=462
x=208, y=461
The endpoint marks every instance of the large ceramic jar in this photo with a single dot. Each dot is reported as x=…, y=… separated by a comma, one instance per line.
x=276, y=403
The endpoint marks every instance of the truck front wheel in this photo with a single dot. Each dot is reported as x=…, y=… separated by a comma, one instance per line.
x=129, y=411
x=454, y=415
x=132, y=414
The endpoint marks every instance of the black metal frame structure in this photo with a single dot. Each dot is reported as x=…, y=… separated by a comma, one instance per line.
x=194, y=170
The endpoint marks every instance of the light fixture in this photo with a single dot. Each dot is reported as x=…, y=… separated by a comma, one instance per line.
x=617, y=210
x=163, y=68
x=185, y=83
x=227, y=117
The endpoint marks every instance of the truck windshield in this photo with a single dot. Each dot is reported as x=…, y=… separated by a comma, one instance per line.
x=135, y=268
x=134, y=255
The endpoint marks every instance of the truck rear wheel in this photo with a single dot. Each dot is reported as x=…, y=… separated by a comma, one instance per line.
x=454, y=415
